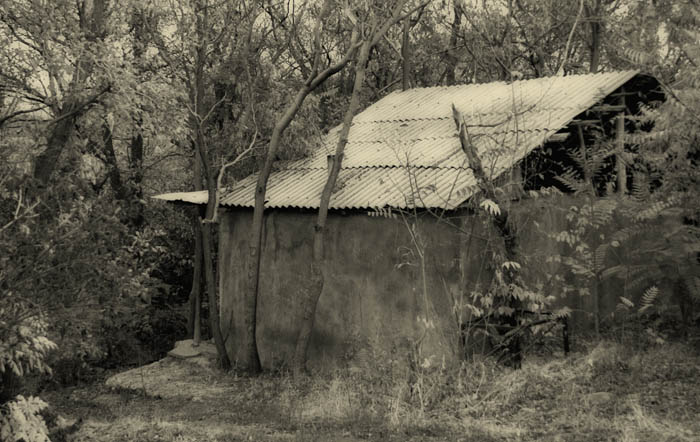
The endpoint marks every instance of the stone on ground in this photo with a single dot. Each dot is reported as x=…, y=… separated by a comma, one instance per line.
x=182, y=373
x=185, y=349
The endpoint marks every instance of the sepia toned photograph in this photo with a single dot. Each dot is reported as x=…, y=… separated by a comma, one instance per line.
x=350, y=220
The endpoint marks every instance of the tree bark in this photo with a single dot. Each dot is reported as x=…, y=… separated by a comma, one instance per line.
x=452, y=59
x=197, y=91
x=58, y=138
x=92, y=22
x=136, y=177
x=318, y=268
x=205, y=229
x=315, y=79
x=194, y=322
x=194, y=329
x=619, y=156
x=115, y=180
x=505, y=230
x=214, y=325
x=405, y=55
x=596, y=28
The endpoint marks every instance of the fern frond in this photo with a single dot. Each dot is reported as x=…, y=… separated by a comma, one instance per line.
x=641, y=137
x=571, y=179
x=602, y=212
x=601, y=252
x=630, y=273
x=626, y=302
x=640, y=187
x=648, y=298
x=626, y=233
x=490, y=207
x=655, y=209
x=562, y=313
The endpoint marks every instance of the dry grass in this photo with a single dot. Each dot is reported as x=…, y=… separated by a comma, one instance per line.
x=610, y=392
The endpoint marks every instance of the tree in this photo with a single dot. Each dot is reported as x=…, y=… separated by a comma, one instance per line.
x=69, y=93
x=372, y=29
x=207, y=33
x=316, y=76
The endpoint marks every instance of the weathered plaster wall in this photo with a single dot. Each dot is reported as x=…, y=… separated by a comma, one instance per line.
x=375, y=294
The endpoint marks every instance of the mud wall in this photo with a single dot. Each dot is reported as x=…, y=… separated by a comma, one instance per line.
x=375, y=294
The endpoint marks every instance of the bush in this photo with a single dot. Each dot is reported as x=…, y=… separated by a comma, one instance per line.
x=21, y=420
x=24, y=346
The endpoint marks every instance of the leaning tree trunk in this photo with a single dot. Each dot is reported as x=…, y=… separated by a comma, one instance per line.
x=313, y=294
x=318, y=268
x=505, y=230
x=315, y=79
x=205, y=231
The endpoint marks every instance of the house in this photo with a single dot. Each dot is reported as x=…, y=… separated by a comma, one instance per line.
x=397, y=277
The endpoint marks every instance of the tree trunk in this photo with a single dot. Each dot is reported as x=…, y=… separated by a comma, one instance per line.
x=204, y=228
x=596, y=28
x=620, y=144
x=506, y=232
x=197, y=91
x=315, y=79
x=252, y=360
x=136, y=176
x=405, y=55
x=452, y=59
x=115, y=180
x=214, y=324
x=92, y=22
x=194, y=328
x=60, y=134
x=318, y=268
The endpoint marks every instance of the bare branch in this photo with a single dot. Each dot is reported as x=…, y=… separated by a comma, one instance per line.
x=83, y=105
x=4, y=119
x=18, y=214
x=220, y=179
x=318, y=29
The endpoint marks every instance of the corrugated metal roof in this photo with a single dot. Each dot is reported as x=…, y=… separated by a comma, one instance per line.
x=404, y=150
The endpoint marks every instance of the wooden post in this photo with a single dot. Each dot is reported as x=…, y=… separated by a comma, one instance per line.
x=619, y=156
x=582, y=145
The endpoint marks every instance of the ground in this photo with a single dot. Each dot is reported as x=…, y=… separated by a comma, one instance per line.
x=606, y=392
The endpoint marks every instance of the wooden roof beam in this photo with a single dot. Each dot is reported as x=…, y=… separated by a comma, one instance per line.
x=608, y=108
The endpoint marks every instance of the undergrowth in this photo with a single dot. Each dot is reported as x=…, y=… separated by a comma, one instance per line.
x=609, y=391
x=605, y=390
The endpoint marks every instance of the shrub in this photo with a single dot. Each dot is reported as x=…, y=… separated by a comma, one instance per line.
x=21, y=420
x=24, y=346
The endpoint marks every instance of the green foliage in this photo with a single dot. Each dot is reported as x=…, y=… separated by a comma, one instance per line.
x=24, y=346
x=21, y=420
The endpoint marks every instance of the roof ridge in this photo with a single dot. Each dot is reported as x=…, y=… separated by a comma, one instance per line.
x=596, y=74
